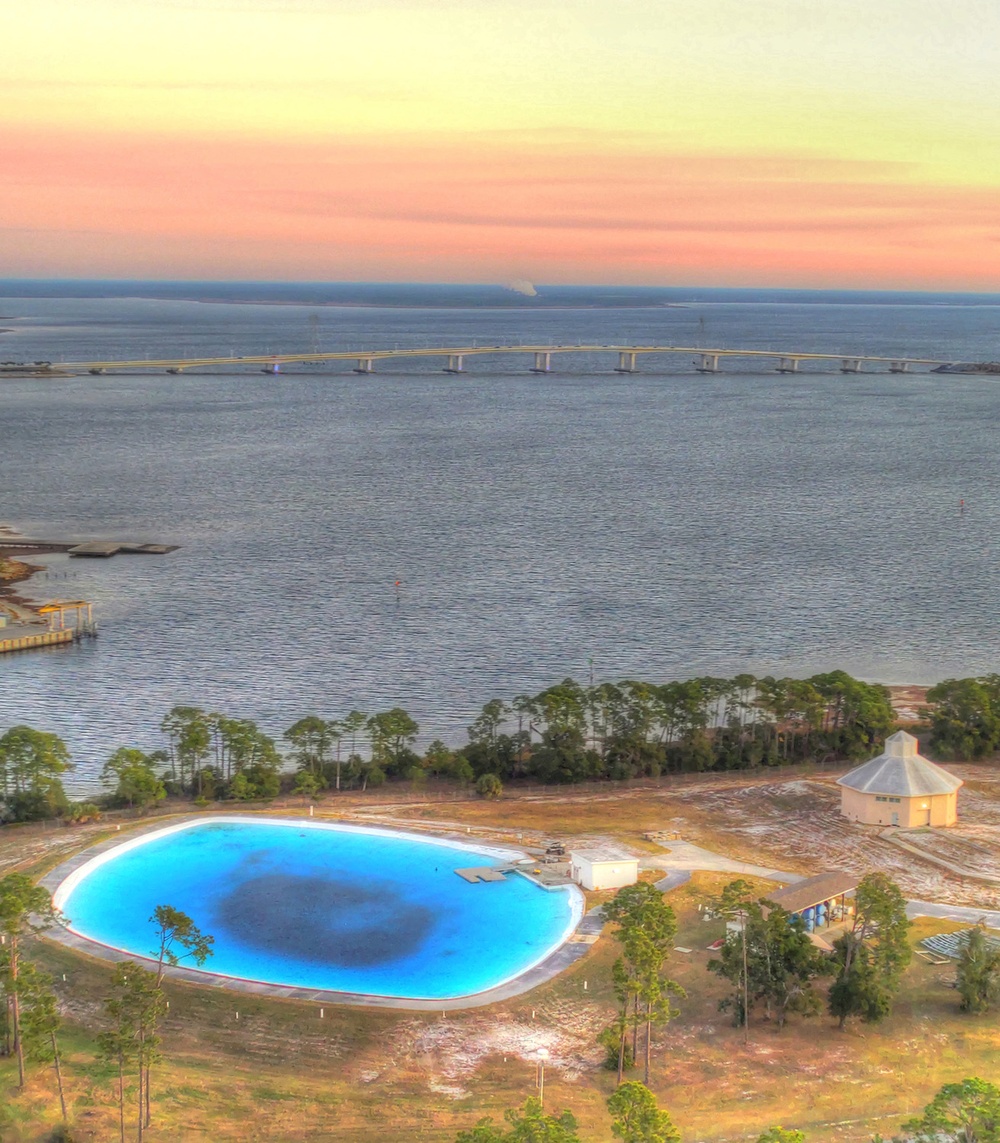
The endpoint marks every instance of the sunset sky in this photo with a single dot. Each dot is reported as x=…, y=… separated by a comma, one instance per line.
x=719, y=142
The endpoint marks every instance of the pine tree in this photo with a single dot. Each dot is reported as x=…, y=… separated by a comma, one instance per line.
x=978, y=972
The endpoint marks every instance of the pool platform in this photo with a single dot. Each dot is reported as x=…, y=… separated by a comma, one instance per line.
x=484, y=873
x=545, y=874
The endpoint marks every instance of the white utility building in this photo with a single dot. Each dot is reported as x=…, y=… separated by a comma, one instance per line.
x=603, y=868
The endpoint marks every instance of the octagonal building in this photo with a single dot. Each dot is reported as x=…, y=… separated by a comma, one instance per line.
x=900, y=788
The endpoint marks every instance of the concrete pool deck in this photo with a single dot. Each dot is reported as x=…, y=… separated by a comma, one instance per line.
x=571, y=950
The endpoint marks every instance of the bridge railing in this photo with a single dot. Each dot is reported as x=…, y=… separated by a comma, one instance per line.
x=623, y=359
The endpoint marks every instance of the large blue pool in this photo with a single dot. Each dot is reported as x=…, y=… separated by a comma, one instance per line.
x=322, y=906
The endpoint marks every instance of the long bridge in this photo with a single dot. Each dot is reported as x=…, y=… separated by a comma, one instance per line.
x=454, y=359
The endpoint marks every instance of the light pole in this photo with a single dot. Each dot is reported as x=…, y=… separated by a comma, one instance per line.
x=543, y=1055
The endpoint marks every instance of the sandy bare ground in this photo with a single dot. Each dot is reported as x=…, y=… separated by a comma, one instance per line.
x=766, y=819
x=909, y=702
x=790, y=823
x=452, y=1051
x=50, y=842
x=796, y=825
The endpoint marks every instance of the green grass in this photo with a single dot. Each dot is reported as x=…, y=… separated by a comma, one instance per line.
x=279, y=1073
x=268, y=1077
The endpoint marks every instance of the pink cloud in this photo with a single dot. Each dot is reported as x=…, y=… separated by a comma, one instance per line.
x=473, y=208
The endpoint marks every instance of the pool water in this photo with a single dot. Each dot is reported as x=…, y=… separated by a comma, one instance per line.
x=339, y=908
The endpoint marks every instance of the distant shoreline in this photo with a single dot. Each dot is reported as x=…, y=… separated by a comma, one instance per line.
x=394, y=295
x=428, y=305
x=22, y=572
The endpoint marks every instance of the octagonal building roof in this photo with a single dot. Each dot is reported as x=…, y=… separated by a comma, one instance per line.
x=901, y=772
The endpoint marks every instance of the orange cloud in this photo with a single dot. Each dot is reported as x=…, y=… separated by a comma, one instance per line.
x=477, y=209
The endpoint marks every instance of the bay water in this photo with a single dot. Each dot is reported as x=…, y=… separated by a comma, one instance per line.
x=656, y=525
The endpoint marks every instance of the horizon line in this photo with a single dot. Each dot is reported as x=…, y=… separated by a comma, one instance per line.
x=485, y=285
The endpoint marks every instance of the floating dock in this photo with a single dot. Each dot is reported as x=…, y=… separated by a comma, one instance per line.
x=100, y=549
x=104, y=549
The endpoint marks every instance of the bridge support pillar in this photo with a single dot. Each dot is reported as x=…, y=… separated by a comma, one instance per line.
x=455, y=363
x=707, y=363
x=850, y=365
x=899, y=367
x=274, y=367
x=788, y=365
x=543, y=363
x=626, y=363
x=365, y=365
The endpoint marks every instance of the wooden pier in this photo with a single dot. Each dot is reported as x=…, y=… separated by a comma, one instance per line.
x=25, y=637
x=24, y=627
x=49, y=631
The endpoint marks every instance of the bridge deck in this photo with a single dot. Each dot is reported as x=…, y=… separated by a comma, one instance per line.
x=361, y=355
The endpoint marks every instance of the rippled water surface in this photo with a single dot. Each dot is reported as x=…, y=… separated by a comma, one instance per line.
x=659, y=525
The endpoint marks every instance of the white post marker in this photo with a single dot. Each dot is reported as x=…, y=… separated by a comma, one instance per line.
x=543, y=1055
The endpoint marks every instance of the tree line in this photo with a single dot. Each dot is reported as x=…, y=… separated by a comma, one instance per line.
x=564, y=734
x=571, y=733
x=964, y=717
x=963, y=1112
x=129, y=1040
x=769, y=960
